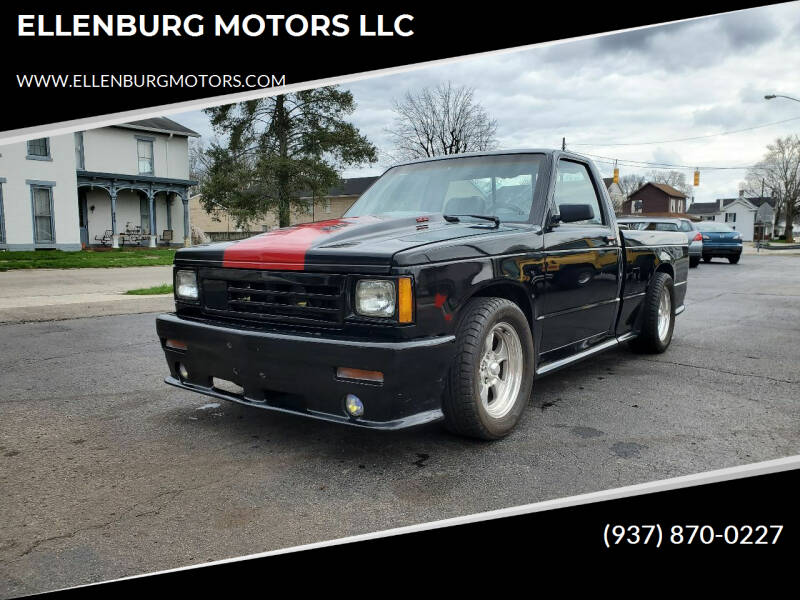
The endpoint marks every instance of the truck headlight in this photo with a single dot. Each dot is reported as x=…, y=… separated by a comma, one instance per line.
x=186, y=285
x=375, y=298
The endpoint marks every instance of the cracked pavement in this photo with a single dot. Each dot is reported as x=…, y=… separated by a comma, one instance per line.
x=106, y=472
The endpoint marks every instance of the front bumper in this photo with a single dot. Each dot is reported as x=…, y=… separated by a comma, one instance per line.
x=296, y=373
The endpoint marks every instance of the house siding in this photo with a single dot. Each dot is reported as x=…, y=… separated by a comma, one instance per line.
x=654, y=200
x=109, y=150
x=114, y=150
x=18, y=171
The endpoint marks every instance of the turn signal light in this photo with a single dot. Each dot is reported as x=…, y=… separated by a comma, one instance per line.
x=405, y=295
x=176, y=344
x=361, y=374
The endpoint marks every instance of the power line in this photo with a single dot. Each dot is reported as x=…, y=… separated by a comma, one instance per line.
x=688, y=139
x=659, y=165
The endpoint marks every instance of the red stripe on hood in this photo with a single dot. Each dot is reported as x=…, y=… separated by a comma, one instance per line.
x=282, y=249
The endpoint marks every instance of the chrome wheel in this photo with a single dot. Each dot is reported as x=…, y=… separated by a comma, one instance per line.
x=500, y=370
x=664, y=314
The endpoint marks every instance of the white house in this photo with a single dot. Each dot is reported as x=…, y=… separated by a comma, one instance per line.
x=754, y=218
x=100, y=186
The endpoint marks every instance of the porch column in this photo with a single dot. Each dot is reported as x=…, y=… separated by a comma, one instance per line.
x=187, y=233
x=114, y=236
x=152, y=215
x=169, y=210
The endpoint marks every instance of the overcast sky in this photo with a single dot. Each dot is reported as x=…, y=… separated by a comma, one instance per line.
x=672, y=81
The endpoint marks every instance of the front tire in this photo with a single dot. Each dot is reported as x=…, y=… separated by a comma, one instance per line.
x=658, y=316
x=734, y=259
x=694, y=261
x=490, y=381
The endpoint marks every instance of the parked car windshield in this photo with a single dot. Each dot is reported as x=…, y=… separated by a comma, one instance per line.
x=713, y=226
x=500, y=185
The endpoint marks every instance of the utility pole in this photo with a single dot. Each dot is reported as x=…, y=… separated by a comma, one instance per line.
x=563, y=143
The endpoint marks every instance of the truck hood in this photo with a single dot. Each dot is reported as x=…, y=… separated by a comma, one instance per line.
x=365, y=243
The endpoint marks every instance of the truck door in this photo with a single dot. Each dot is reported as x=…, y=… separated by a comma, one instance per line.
x=581, y=291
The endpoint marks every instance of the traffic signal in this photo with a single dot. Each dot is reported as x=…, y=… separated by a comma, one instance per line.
x=696, y=177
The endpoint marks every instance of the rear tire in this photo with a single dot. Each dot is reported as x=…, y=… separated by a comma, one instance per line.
x=658, y=316
x=733, y=259
x=490, y=381
x=694, y=261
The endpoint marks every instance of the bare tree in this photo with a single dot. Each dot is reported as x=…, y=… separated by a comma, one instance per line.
x=631, y=182
x=198, y=162
x=438, y=121
x=675, y=179
x=779, y=172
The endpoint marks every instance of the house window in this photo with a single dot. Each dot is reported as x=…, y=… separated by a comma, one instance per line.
x=730, y=217
x=80, y=162
x=144, y=211
x=326, y=205
x=2, y=216
x=44, y=231
x=39, y=149
x=145, y=154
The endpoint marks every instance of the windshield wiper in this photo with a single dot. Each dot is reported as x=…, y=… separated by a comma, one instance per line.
x=456, y=219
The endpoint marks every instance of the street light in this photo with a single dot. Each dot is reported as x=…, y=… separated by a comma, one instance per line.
x=771, y=96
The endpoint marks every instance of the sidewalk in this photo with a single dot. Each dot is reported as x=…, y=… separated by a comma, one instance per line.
x=55, y=294
x=749, y=248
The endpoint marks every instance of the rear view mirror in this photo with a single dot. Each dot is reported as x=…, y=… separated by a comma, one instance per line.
x=575, y=212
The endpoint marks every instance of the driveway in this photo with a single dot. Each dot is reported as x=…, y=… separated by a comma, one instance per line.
x=53, y=294
x=106, y=472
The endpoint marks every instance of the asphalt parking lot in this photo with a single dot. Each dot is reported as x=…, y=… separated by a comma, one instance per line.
x=106, y=472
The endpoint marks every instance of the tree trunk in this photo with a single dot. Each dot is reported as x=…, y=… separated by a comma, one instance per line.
x=282, y=133
x=789, y=222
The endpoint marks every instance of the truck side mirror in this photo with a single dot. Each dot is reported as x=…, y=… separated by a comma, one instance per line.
x=553, y=220
x=575, y=212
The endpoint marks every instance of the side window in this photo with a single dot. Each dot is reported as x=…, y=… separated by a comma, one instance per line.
x=43, y=224
x=144, y=151
x=2, y=216
x=574, y=186
x=666, y=227
x=39, y=149
x=686, y=226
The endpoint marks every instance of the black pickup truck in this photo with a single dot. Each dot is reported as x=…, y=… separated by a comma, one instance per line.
x=443, y=292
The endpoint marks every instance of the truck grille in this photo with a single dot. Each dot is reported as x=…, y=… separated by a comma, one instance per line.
x=274, y=296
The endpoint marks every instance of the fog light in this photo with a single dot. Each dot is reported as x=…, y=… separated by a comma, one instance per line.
x=354, y=406
x=183, y=371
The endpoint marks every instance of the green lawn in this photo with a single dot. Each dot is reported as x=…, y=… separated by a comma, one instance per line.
x=164, y=288
x=57, y=259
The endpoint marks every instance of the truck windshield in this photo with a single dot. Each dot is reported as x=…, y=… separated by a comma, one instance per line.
x=499, y=185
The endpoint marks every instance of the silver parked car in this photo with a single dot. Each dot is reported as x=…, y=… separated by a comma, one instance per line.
x=687, y=226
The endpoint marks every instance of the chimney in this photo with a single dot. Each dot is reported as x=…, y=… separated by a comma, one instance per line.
x=719, y=203
x=741, y=193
